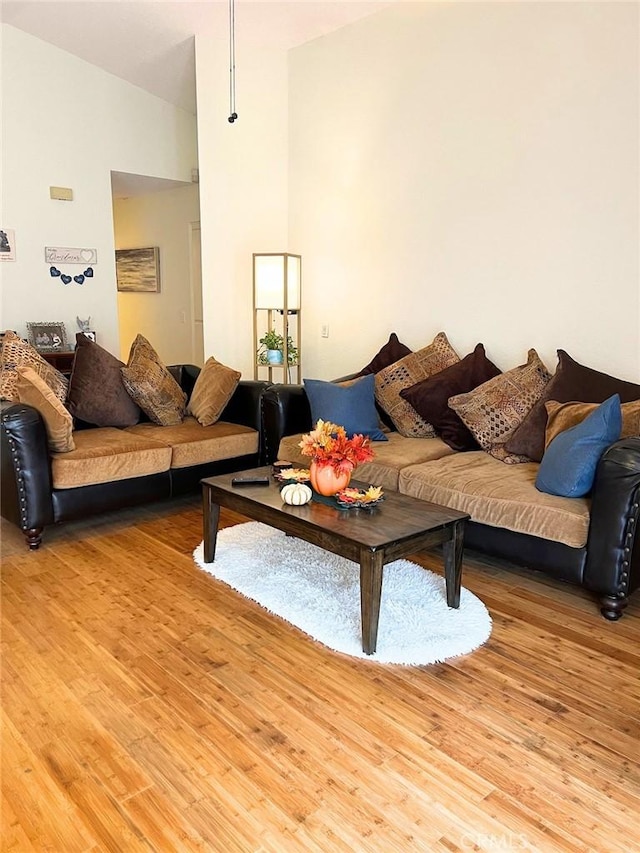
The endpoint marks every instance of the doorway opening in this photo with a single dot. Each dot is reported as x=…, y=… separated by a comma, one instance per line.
x=150, y=212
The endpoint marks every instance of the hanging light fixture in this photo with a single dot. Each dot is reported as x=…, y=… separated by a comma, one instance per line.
x=233, y=115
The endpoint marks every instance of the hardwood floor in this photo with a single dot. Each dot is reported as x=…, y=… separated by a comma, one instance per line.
x=148, y=707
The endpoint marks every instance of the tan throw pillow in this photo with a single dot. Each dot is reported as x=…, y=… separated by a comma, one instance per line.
x=413, y=368
x=16, y=352
x=155, y=390
x=34, y=391
x=213, y=389
x=495, y=409
x=562, y=416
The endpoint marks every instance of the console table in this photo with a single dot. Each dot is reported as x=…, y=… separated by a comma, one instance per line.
x=61, y=359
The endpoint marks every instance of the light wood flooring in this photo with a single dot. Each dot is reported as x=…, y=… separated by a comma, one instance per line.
x=147, y=707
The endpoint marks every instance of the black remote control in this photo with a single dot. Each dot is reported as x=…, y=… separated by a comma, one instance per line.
x=250, y=481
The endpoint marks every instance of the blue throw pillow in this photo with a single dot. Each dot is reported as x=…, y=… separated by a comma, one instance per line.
x=350, y=406
x=568, y=467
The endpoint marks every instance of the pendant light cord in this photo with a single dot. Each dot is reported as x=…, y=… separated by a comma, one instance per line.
x=233, y=115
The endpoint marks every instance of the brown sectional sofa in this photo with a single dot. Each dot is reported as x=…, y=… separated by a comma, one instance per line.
x=589, y=541
x=115, y=467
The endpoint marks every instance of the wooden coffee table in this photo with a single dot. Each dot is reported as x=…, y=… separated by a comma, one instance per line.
x=399, y=526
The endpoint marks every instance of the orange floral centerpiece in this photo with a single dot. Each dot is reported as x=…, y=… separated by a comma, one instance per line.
x=333, y=456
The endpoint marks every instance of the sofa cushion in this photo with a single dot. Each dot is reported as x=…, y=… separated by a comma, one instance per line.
x=571, y=381
x=569, y=464
x=105, y=454
x=193, y=444
x=562, y=416
x=493, y=410
x=349, y=404
x=97, y=394
x=391, y=352
x=498, y=495
x=403, y=374
x=155, y=390
x=212, y=391
x=17, y=352
x=34, y=391
x=389, y=459
x=430, y=398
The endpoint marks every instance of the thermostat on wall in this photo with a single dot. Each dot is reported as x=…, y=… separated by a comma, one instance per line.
x=61, y=193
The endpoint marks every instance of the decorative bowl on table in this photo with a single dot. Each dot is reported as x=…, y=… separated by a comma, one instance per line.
x=352, y=498
x=292, y=475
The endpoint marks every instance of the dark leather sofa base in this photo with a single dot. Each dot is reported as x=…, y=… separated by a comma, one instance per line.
x=553, y=558
x=72, y=504
x=69, y=504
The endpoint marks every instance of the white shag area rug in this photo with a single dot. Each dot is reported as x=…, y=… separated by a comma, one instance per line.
x=319, y=592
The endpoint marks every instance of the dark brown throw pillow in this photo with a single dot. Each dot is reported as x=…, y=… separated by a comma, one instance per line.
x=96, y=392
x=430, y=398
x=571, y=381
x=391, y=352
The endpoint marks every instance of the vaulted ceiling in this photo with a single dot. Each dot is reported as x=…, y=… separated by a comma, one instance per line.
x=151, y=43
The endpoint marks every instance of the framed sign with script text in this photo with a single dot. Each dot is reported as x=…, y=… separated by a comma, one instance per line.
x=61, y=255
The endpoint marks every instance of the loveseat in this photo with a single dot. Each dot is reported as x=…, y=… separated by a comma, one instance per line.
x=116, y=467
x=590, y=541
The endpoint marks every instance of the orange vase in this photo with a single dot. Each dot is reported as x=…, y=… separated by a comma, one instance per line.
x=326, y=481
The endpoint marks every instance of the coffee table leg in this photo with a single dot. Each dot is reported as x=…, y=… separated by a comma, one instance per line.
x=210, y=516
x=371, y=564
x=453, y=563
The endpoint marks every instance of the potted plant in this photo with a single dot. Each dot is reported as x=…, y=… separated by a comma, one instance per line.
x=271, y=349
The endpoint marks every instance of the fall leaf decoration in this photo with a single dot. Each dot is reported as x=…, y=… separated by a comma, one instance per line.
x=328, y=444
x=293, y=475
x=360, y=498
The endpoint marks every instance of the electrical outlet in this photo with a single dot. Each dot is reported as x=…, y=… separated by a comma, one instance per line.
x=183, y=316
x=324, y=330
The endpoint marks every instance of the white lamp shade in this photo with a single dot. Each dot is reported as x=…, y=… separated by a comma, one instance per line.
x=269, y=281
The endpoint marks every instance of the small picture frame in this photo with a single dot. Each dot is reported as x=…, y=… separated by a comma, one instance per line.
x=47, y=337
x=138, y=270
x=7, y=244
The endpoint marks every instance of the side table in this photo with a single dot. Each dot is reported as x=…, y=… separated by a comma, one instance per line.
x=61, y=359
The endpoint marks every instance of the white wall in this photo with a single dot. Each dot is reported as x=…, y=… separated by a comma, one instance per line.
x=159, y=219
x=471, y=167
x=243, y=188
x=67, y=123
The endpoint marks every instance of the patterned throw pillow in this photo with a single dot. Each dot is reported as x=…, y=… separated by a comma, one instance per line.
x=571, y=381
x=34, y=391
x=154, y=389
x=16, y=352
x=406, y=372
x=141, y=348
x=213, y=389
x=495, y=409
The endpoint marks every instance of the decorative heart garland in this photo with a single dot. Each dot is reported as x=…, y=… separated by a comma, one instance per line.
x=54, y=272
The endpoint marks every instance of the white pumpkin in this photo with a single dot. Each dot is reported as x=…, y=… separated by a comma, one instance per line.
x=296, y=494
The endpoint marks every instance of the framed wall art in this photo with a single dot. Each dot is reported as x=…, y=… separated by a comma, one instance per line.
x=138, y=270
x=7, y=244
x=47, y=336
